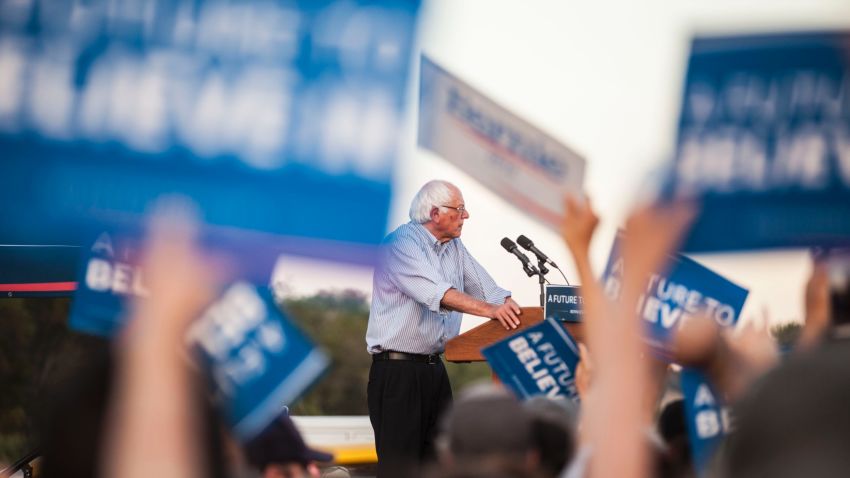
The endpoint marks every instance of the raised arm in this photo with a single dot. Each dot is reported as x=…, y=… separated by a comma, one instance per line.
x=614, y=414
x=152, y=421
x=817, y=319
x=577, y=230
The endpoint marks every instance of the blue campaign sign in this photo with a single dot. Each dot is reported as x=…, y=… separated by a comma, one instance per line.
x=109, y=276
x=685, y=289
x=563, y=303
x=257, y=359
x=539, y=360
x=706, y=415
x=764, y=141
x=279, y=118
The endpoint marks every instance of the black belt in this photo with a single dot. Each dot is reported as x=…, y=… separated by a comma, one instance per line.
x=393, y=355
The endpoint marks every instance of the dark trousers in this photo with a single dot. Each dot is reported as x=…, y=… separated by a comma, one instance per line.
x=406, y=400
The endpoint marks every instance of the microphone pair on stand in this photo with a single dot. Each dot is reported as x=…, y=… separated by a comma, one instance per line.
x=527, y=266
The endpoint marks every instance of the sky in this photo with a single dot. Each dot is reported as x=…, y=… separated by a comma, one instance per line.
x=605, y=78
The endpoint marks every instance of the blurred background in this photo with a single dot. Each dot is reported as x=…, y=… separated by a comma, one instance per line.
x=604, y=77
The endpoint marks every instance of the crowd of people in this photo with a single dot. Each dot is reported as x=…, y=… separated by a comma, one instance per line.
x=142, y=410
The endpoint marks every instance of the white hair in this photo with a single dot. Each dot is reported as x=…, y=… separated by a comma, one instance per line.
x=434, y=193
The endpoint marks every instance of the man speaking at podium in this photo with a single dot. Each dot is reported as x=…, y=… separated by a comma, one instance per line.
x=424, y=281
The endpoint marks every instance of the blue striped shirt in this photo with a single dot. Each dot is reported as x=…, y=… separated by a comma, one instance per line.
x=414, y=272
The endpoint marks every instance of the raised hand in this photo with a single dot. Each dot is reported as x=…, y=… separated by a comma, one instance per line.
x=579, y=223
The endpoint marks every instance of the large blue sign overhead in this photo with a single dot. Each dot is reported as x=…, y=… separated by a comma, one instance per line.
x=685, y=289
x=276, y=117
x=764, y=141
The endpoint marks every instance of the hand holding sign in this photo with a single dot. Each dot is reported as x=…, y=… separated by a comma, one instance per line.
x=731, y=359
x=584, y=372
x=614, y=337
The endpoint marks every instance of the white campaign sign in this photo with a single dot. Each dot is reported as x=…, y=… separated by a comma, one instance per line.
x=524, y=165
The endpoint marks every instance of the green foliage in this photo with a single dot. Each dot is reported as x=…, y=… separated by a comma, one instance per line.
x=36, y=351
x=337, y=322
x=465, y=374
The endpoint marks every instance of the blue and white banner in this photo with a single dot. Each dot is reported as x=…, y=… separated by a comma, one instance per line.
x=707, y=417
x=258, y=360
x=764, y=141
x=539, y=360
x=563, y=303
x=109, y=278
x=279, y=118
x=685, y=289
x=514, y=159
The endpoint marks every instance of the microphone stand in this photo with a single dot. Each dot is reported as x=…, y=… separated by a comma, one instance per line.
x=541, y=267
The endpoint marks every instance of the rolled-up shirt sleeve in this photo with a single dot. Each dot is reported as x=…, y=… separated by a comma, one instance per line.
x=408, y=268
x=478, y=283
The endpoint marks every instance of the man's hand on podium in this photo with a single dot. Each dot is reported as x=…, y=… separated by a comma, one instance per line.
x=507, y=314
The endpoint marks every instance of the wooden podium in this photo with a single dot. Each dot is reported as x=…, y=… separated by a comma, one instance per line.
x=467, y=346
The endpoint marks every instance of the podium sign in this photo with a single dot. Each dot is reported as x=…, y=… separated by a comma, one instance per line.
x=563, y=303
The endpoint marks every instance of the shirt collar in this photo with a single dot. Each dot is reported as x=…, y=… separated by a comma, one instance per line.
x=435, y=243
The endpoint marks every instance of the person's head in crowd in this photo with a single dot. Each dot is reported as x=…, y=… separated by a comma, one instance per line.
x=673, y=430
x=440, y=208
x=553, y=427
x=280, y=452
x=794, y=421
x=839, y=296
x=473, y=469
x=73, y=427
x=489, y=427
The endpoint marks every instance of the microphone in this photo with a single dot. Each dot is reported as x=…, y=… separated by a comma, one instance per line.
x=527, y=266
x=529, y=246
